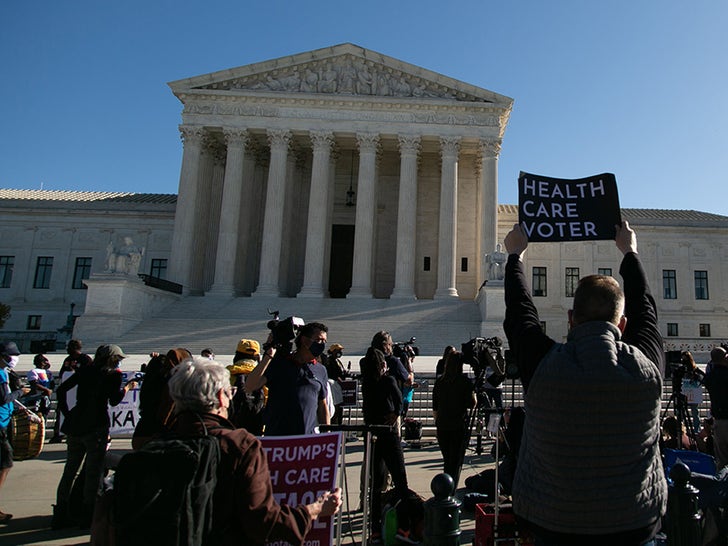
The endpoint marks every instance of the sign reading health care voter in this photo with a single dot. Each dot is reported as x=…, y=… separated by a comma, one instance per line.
x=302, y=468
x=557, y=209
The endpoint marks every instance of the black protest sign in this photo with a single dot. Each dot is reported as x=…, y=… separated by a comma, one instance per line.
x=557, y=209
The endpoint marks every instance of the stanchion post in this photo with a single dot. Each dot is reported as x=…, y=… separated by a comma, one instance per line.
x=683, y=517
x=442, y=514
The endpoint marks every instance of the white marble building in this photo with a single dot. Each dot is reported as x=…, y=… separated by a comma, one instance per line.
x=271, y=150
x=339, y=175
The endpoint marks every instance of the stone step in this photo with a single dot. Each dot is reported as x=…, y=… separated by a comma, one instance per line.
x=199, y=322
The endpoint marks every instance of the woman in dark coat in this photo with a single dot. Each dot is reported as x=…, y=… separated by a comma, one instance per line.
x=155, y=403
x=382, y=401
x=452, y=397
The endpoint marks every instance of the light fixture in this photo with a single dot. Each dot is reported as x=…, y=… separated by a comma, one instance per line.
x=350, y=192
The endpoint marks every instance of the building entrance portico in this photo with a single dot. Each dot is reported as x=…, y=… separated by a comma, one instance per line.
x=274, y=152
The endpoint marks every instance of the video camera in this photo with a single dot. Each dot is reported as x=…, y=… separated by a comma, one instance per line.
x=680, y=367
x=282, y=332
x=481, y=352
x=408, y=349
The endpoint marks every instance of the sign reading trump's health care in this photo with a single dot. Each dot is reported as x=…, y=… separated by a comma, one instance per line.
x=556, y=209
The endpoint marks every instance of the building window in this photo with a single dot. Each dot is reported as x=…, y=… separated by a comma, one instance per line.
x=606, y=271
x=701, y=285
x=6, y=270
x=159, y=268
x=43, y=270
x=427, y=263
x=33, y=322
x=539, y=281
x=672, y=329
x=572, y=279
x=669, y=284
x=705, y=330
x=81, y=272
x=463, y=264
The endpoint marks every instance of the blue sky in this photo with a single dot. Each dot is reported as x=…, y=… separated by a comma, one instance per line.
x=637, y=88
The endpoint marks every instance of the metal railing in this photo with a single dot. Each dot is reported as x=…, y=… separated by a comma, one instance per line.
x=162, y=284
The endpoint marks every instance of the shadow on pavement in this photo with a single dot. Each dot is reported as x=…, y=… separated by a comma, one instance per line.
x=37, y=529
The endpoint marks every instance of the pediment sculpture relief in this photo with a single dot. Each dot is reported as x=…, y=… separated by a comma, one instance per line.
x=346, y=75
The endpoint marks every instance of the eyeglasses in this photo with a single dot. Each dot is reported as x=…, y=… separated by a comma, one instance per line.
x=232, y=392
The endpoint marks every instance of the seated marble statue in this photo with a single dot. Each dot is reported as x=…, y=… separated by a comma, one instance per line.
x=496, y=264
x=125, y=259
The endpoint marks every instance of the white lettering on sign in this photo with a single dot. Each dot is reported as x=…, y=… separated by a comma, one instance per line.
x=546, y=190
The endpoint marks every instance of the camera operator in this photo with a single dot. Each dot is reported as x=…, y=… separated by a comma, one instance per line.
x=297, y=384
x=589, y=468
x=382, y=341
x=692, y=387
x=716, y=381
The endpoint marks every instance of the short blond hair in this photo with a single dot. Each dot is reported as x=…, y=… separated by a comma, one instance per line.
x=598, y=297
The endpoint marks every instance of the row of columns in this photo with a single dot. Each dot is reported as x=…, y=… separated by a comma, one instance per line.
x=317, y=224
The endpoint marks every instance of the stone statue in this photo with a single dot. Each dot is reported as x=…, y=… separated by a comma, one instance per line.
x=125, y=259
x=496, y=264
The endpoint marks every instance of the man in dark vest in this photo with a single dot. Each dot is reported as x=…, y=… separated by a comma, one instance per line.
x=589, y=468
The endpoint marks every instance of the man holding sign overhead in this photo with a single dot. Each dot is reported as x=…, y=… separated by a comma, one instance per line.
x=589, y=469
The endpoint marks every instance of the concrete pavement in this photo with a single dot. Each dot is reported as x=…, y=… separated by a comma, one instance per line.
x=30, y=489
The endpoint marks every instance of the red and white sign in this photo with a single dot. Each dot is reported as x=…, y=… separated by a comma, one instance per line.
x=302, y=468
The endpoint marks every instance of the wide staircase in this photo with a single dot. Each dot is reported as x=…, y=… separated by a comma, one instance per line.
x=199, y=322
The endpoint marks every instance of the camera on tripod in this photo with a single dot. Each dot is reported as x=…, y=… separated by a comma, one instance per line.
x=680, y=364
x=405, y=349
x=282, y=332
x=481, y=352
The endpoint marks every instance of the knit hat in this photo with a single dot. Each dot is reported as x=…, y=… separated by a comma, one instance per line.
x=248, y=347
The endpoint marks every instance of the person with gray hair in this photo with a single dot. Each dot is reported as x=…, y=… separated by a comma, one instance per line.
x=244, y=507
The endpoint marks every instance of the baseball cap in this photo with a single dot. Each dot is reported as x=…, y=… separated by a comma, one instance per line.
x=9, y=348
x=248, y=347
x=107, y=351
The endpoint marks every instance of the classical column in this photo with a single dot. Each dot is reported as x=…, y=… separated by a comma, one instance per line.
x=183, y=237
x=447, y=242
x=488, y=205
x=313, y=273
x=404, y=276
x=227, y=238
x=361, y=278
x=270, y=252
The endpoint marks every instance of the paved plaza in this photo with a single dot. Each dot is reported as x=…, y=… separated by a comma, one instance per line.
x=31, y=486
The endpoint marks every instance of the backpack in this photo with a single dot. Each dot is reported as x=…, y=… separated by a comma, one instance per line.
x=163, y=493
x=403, y=518
x=248, y=407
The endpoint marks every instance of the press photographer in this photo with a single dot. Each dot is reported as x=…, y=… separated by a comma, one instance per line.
x=297, y=384
x=687, y=390
x=406, y=351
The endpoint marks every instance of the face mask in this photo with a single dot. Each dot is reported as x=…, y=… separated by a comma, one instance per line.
x=13, y=361
x=338, y=354
x=317, y=348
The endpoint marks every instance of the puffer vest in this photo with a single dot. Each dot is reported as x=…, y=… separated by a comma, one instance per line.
x=589, y=461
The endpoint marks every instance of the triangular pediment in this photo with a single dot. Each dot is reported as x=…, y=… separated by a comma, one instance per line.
x=344, y=69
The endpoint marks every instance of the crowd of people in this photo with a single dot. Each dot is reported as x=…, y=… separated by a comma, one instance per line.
x=589, y=476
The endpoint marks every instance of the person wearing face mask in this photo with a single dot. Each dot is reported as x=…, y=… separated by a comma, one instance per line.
x=9, y=354
x=297, y=385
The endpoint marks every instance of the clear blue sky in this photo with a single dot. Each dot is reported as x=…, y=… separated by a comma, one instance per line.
x=637, y=88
